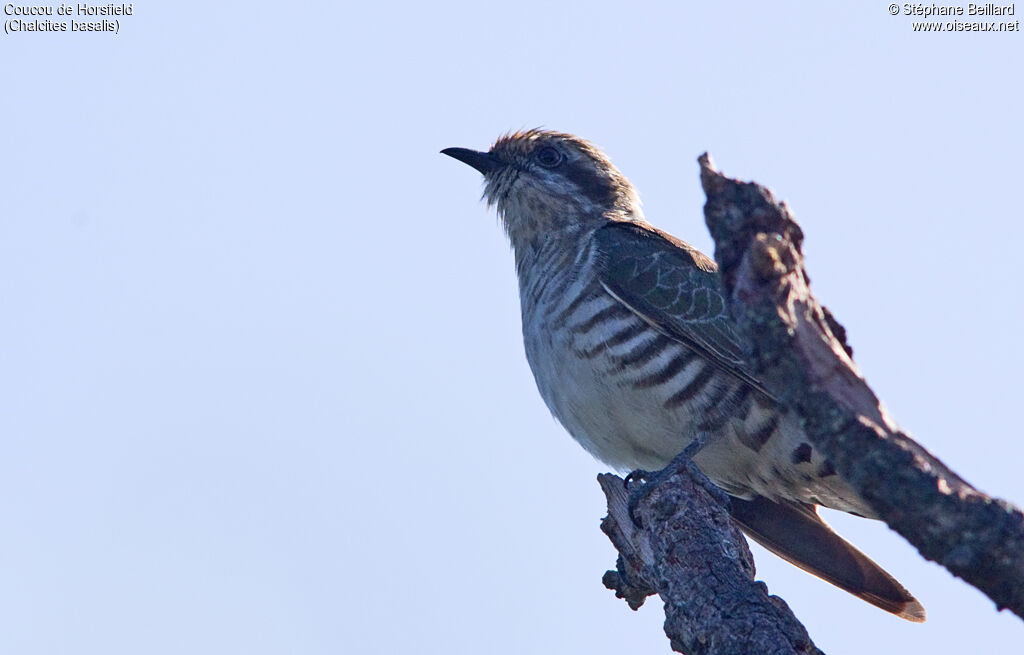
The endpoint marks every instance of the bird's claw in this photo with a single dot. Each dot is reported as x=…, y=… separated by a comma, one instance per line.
x=639, y=476
x=648, y=480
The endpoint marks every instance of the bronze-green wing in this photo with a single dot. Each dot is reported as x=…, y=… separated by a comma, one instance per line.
x=673, y=287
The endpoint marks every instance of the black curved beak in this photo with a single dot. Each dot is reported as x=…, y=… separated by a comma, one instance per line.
x=484, y=162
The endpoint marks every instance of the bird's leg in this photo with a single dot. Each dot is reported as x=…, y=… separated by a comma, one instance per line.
x=641, y=476
x=640, y=483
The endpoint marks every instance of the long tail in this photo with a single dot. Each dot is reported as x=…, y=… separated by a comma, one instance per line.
x=796, y=533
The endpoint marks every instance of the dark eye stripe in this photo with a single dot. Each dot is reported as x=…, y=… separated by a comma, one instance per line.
x=597, y=188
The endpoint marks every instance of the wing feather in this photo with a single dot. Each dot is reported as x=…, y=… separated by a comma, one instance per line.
x=675, y=289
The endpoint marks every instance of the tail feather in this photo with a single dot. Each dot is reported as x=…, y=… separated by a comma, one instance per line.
x=795, y=532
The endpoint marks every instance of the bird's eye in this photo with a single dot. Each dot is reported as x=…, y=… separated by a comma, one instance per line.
x=548, y=157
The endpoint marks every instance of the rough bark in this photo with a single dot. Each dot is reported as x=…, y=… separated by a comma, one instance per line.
x=693, y=555
x=685, y=547
x=799, y=352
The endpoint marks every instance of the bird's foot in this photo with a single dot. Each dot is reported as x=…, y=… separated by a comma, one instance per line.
x=641, y=483
x=637, y=477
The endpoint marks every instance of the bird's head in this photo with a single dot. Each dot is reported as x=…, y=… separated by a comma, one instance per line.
x=546, y=182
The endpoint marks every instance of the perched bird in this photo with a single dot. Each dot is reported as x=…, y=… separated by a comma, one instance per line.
x=633, y=350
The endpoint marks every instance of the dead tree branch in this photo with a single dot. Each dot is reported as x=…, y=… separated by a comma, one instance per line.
x=800, y=354
x=692, y=554
x=689, y=551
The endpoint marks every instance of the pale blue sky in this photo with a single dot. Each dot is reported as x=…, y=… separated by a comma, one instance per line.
x=262, y=388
